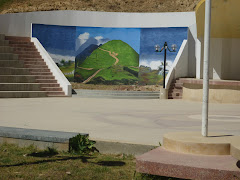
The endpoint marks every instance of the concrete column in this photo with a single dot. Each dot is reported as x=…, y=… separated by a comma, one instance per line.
x=206, y=67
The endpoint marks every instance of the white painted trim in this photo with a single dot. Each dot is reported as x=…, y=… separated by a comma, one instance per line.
x=61, y=79
x=180, y=65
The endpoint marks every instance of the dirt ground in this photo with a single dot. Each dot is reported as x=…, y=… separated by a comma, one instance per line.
x=116, y=87
x=14, y=6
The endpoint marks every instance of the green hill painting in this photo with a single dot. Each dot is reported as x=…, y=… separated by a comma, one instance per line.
x=114, y=62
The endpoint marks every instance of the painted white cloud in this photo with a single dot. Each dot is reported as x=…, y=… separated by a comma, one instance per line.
x=83, y=38
x=155, y=64
x=98, y=38
x=101, y=40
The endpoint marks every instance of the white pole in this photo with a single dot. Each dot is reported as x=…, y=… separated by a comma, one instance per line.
x=206, y=67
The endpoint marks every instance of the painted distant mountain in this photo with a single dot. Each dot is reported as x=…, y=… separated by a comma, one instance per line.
x=89, y=42
x=115, y=62
x=84, y=54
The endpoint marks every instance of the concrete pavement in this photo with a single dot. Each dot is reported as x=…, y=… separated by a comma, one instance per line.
x=120, y=120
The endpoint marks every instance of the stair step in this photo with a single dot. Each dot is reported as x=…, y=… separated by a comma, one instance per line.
x=38, y=70
x=21, y=56
x=6, y=49
x=24, y=49
x=20, y=42
x=42, y=73
x=55, y=93
x=2, y=37
x=20, y=87
x=14, y=71
x=174, y=90
x=27, y=52
x=36, y=66
x=51, y=88
x=22, y=45
x=32, y=59
x=175, y=97
x=16, y=38
x=22, y=94
x=46, y=81
x=17, y=79
x=57, y=96
x=4, y=43
x=11, y=63
x=177, y=94
x=45, y=85
x=42, y=63
x=8, y=56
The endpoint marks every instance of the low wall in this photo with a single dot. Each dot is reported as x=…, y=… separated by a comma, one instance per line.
x=180, y=65
x=219, y=91
x=19, y=24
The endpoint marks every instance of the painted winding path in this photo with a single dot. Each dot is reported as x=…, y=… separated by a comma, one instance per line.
x=112, y=54
x=92, y=76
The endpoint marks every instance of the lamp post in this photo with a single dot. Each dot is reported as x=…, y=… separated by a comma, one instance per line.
x=165, y=47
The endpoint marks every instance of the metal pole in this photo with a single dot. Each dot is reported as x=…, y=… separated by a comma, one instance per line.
x=206, y=67
x=164, y=70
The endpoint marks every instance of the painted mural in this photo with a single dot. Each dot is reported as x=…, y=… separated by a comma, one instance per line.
x=113, y=56
x=151, y=62
x=107, y=55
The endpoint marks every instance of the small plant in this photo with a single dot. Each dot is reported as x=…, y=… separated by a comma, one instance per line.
x=81, y=144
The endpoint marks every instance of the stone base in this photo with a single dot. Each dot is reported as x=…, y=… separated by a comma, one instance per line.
x=163, y=93
x=195, y=143
x=171, y=164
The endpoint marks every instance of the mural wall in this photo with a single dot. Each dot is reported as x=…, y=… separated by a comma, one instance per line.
x=98, y=55
x=151, y=62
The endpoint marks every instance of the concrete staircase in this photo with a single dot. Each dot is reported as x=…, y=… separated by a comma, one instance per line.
x=176, y=89
x=23, y=72
x=84, y=93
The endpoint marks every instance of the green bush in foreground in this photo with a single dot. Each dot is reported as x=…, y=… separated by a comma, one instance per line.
x=81, y=144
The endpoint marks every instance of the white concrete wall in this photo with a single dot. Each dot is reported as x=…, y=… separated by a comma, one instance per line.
x=180, y=64
x=192, y=50
x=19, y=24
x=224, y=59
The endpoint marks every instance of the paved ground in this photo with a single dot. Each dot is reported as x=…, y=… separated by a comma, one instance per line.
x=134, y=121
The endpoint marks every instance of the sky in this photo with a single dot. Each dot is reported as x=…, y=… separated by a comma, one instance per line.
x=131, y=36
x=56, y=38
x=152, y=36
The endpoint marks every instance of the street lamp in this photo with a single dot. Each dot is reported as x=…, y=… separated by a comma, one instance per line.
x=165, y=47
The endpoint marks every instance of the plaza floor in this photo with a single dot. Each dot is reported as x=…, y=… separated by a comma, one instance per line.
x=119, y=120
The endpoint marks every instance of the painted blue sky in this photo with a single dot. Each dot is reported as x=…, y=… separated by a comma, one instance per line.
x=129, y=35
x=56, y=39
x=152, y=36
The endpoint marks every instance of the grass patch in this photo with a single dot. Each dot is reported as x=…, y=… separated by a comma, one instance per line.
x=115, y=73
x=31, y=163
x=67, y=68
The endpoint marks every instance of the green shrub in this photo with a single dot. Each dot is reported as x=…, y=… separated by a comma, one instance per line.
x=81, y=144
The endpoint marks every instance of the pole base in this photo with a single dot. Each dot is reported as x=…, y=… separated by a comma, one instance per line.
x=163, y=93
